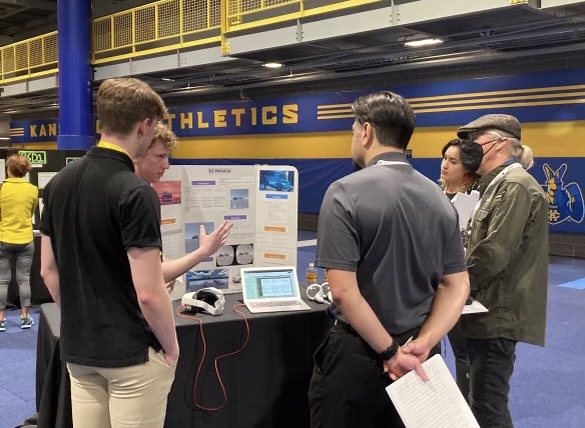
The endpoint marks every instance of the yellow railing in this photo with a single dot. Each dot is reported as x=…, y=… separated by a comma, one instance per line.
x=30, y=58
x=246, y=14
x=157, y=27
x=162, y=26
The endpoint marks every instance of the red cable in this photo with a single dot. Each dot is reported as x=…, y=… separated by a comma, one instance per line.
x=216, y=361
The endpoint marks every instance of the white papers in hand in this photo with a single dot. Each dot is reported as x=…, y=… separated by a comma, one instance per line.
x=474, y=308
x=437, y=403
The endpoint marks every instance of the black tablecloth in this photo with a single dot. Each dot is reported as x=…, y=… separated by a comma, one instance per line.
x=39, y=292
x=267, y=383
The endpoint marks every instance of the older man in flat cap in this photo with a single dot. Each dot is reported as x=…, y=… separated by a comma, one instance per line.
x=507, y=256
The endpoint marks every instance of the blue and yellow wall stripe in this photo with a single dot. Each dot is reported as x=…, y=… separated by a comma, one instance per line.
x=313, y=131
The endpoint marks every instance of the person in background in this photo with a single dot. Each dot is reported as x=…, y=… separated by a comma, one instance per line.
x=18, y=202
x=507, y=256
x=151, y=167
x=391, y=244
x=100, y=259
x=460, y=161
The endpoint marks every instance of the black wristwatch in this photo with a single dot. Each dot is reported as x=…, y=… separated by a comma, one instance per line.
x=389, y=352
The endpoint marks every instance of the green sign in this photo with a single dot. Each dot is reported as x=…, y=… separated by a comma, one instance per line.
x=34, y=156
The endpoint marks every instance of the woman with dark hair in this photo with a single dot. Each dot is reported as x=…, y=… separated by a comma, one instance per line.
x=18, y=201
x=461, y=159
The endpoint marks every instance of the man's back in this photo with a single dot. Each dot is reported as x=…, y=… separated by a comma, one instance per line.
x=512, y=278
x=96, y=208
x=405, y=226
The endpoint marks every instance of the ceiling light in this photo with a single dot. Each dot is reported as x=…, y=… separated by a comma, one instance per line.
x=423, y=42
x=272, y=65
x=167, y=79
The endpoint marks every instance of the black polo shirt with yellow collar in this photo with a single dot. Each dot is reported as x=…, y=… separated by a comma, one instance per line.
x=95, y=210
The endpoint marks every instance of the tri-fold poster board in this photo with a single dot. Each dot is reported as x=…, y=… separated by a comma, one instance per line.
x=261, y=201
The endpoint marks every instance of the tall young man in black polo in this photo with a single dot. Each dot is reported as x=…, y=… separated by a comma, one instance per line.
x=391, y=244
x=100, y=259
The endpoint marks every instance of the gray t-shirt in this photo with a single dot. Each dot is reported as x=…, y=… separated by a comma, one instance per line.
x=398, y=231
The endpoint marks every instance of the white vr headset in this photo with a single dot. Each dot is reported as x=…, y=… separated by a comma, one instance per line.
x=320, y=293
x=209, y=299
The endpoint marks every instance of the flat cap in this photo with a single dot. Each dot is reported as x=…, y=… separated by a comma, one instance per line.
x=501, y=122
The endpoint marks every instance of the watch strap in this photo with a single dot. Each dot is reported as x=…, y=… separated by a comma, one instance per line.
x=390, y=352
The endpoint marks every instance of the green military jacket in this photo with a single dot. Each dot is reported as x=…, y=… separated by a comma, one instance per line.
x=507, y=256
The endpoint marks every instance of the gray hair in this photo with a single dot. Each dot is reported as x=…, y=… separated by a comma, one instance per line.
x=523, y=152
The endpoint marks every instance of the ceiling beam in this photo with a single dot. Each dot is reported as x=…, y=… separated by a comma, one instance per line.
x=31, y=4
x=10, y=12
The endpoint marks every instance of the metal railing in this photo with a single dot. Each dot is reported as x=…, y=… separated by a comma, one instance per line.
x=246, y=14
x=158, y=27
x=30, y=58
x=162, y=26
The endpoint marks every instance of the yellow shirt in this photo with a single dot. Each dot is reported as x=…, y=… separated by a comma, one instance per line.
x=18, y=201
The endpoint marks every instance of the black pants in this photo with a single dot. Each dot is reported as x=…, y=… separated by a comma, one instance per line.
x=492, y=365
x=348, y=387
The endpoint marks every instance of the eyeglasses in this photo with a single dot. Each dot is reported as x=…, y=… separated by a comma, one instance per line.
x=487, y=142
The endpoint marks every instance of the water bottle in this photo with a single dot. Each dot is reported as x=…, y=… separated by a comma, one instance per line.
x=312, y=276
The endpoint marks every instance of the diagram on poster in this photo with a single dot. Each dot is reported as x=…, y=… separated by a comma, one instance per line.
x=214, y=194
x=259, y=201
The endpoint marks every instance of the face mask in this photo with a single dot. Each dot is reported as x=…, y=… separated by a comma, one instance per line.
x=474, y=155
x=495, y=141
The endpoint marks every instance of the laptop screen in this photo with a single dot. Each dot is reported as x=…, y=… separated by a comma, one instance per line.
x=270, y=284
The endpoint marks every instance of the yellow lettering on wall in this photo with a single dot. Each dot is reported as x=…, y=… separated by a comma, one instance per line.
x=273, y=119
x=238, y=112
x=219, y=118
x=42, y=131
x=253, y=117
x=33, y=130
x=200, y=123
x=171, y=117
x=52, y=129
x=290, y=113
x=187, y=120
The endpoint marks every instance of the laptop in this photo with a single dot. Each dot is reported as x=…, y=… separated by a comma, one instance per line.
x=272, y=289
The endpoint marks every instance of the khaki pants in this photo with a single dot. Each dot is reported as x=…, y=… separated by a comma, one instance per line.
x=134, y=396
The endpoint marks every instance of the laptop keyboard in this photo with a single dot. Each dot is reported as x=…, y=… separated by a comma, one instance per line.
x=273, y=304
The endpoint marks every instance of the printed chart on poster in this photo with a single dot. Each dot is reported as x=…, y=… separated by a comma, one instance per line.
x=169, y=192
x=276, y=215
x=195, y=199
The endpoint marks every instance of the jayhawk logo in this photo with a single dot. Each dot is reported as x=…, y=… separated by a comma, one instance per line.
x=565, y=201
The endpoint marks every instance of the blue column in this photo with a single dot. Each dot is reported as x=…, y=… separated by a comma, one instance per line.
x=75, y=75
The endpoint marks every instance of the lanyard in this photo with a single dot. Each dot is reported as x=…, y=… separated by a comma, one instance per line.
x=495, y=181
x=385, y=162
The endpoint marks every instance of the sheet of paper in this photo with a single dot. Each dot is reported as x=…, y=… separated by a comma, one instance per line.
x=437, y=403
x=474, y=308
x=43, y=178
x=465, y=203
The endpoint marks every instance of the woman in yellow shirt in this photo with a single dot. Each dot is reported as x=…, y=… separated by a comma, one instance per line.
x=18, y=201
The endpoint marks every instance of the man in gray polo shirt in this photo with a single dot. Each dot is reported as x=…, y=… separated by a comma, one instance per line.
x=390, y=241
